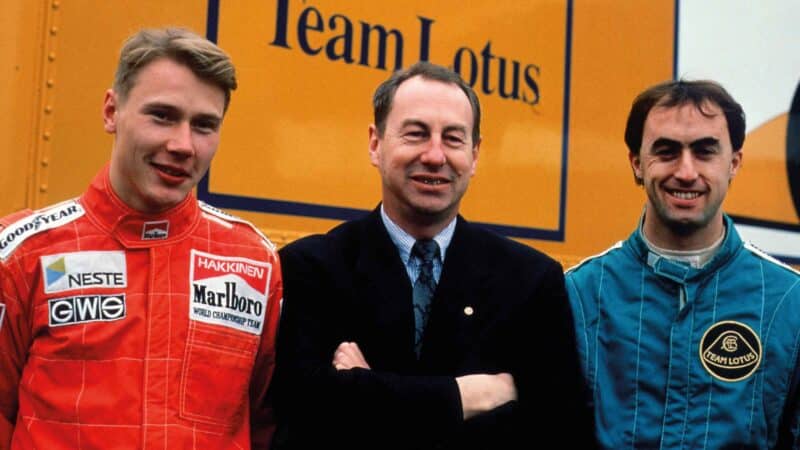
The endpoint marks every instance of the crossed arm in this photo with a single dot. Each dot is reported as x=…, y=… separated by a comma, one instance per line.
x=479, y=392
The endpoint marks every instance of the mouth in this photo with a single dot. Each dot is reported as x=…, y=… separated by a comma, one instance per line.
x=171, y=170
x=684, y=195
x=430, y=180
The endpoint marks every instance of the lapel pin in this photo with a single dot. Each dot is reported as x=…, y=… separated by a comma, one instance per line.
x=468, y=310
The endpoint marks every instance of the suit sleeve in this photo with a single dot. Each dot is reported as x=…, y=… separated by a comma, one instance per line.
x=314, y=398
x=14, y=339
x=549, y=378
x=262, y=418
x=581, y=331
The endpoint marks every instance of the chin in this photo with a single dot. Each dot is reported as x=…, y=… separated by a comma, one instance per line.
x=428, y=209
x=685, y=226
x=165, y=201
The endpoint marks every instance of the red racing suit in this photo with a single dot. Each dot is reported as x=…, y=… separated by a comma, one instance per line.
x=129, y=331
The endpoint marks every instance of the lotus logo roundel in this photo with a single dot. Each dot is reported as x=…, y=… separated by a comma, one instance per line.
x=730, y=351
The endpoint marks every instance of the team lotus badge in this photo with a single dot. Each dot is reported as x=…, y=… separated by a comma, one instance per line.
x=730, y=351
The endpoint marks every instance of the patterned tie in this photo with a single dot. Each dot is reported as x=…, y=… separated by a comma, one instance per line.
x=425, y=250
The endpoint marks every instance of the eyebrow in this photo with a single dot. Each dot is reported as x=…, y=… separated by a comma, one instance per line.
x=413, y=123
x=422, y=124
x=173, y=108
x=699, y=143
x=704, y=143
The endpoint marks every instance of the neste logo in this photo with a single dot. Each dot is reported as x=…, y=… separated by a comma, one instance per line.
x=82, y=270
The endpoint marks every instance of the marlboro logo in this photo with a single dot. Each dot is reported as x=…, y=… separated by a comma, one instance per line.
x=229, y=291
x=155, y=230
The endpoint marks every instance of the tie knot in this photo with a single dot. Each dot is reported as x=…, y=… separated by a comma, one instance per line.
x=425, y=250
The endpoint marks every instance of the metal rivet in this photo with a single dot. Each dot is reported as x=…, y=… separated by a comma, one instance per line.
x=45, y=162
x=48, y=109
x=54, y=30
x=56, y=5
x=43, y=188
x=51, y=56
x=50, y=83
x=46, y=135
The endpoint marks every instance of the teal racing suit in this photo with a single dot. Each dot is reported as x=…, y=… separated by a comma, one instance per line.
x=678, y=357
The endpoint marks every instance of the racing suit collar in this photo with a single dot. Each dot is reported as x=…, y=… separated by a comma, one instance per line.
x=132, y=228
x=681, y=272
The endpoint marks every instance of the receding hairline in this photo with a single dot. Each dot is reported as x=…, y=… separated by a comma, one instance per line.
x=421, y=77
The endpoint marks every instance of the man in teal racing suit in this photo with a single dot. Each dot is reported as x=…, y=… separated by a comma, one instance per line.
x=688, y=336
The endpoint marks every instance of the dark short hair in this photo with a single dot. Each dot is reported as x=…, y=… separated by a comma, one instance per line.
x=207, y=61
x=382, y=99
x=681, y=92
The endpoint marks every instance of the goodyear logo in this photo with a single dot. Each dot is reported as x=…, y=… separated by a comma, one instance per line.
x=80, y=270
x=16, y=233
x=730, y=351
x=86, y=308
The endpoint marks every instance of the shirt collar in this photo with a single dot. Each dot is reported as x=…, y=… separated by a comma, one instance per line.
x=695, y=258
x=134, y=229
x=404, y=241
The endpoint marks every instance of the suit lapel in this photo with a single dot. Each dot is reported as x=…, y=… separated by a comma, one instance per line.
x=384, y=291
x=460, y=295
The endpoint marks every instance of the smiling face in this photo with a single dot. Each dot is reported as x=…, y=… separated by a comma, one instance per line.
x=426, y=155
x=166, y=133
x=686, y=163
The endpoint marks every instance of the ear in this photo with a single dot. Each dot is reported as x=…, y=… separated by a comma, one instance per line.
x=736, y=163
x=475, y=153
x=636, y=165
x=110, y=105
x=374, y=146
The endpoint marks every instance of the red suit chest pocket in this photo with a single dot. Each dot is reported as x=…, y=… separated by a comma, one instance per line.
x=216, y=374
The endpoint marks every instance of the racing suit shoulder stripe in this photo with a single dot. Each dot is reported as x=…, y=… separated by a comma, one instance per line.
x=218, y=213
x=763, y=255
x=593, y=257
x=44, y=219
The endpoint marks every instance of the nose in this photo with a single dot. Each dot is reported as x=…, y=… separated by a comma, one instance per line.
x=433, y=155
x=180, y=141
x=687, y=169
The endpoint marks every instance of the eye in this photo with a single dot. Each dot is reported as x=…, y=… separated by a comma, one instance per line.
x=160, y=116
x=665, y=152
x=454, y=140
x=705, y=152
x=205, y=126
x=415, y=135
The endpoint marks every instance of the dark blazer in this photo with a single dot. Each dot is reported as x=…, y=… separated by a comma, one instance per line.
x=351, y=285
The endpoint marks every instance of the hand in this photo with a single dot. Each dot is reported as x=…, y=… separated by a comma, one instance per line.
x=348, y=356
x=482, y=392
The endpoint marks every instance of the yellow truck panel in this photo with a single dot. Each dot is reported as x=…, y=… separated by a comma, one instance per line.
x=555, y=79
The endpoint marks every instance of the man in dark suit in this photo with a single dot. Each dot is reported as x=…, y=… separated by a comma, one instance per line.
x=411, y=328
